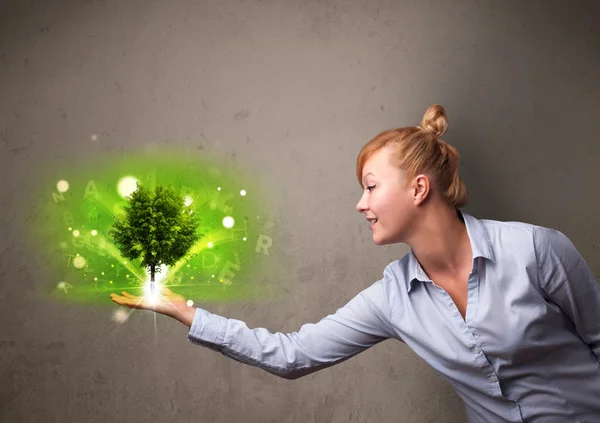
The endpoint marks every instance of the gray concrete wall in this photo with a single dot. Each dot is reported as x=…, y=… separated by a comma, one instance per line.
x=294, y=88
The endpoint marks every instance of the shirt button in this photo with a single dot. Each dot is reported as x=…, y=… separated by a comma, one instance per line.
x=493, y=378
x=476, y=350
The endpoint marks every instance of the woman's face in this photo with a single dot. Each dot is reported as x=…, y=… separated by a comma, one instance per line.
x=387, y=197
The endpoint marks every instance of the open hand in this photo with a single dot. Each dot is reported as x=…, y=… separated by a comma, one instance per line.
x=165, y=302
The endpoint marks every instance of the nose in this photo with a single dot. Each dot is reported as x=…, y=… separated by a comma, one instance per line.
x=361, y=206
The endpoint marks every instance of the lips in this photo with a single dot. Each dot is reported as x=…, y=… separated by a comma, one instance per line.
x=373, y=221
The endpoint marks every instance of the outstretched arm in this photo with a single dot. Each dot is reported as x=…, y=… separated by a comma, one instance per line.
x=569, y=283
x=363, y=322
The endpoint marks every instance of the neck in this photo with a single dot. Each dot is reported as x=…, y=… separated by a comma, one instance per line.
x=442, y=245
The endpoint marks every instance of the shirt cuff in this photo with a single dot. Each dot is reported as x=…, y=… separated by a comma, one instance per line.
x=207, y=330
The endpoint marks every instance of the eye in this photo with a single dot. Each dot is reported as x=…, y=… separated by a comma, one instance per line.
x=371, y=187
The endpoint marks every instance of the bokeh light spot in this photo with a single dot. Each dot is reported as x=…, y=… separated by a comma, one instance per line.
x=228, y=222
x=127, y=186
x=62, y=186
x=79, y=262
x=243, y=192
x=75, y=232
x=64, y=286
x=120, y=316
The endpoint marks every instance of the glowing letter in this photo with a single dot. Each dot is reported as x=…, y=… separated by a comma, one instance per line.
x=91, y=190
x=226, y=272
x=57, y=197
x=263, y=242
x=214, y=258
x=64, y=286
x=245, y=230
x=69, y=261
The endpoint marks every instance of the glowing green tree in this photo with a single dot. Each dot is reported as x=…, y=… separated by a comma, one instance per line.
x=157, y=226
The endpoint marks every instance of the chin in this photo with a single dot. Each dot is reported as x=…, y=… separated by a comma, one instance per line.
x=385, y=241
x=379, y=241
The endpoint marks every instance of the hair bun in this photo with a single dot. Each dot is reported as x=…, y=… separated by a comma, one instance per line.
x=435, y=121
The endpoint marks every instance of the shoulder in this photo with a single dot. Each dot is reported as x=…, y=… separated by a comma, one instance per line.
x=553, y=244
x=547, y=245
x=508, y=227
x=548, y=236
x=509, y=235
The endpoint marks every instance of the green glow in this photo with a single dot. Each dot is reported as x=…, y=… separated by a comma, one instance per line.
x=77, y=204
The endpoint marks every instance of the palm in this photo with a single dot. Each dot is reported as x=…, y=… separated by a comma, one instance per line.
x=165, y=302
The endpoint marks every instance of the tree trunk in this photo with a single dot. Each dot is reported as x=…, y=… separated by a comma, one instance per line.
x=152, y=269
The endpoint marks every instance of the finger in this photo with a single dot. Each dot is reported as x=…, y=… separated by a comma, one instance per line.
x=117, y=296
x=165, y=290
x=128, y=295
x=127, y=302
x=118, y=300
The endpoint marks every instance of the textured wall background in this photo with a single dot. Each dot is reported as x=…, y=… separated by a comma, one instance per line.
x=294, y=89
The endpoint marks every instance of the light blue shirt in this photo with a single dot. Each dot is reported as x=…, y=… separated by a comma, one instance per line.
x=527, y=351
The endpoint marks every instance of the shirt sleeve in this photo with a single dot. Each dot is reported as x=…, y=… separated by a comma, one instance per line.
x=568, y=282
x=363, y=322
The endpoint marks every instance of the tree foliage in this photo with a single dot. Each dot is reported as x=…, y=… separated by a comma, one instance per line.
x=156, y=226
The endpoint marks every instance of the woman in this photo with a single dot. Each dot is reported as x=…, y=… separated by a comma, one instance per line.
x=507, y=312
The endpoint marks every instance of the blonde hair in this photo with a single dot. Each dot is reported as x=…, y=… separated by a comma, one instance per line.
x=420, y=150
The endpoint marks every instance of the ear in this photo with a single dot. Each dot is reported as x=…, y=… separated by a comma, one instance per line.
x=421, y=188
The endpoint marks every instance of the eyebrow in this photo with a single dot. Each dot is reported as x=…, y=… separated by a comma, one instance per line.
x=363, y=178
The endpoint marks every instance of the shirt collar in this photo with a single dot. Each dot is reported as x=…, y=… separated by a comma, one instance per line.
x=480, y=245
